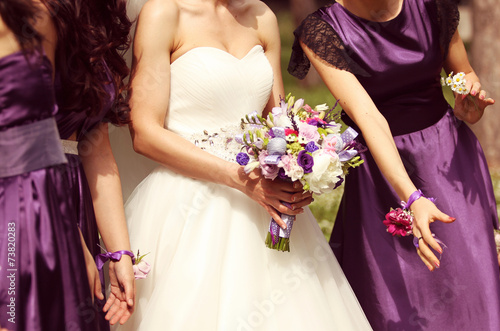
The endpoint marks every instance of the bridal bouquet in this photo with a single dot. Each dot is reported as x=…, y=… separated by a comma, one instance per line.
x=297, y=142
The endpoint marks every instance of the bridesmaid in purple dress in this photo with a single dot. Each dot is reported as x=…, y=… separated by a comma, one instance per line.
x=43, y=279
x=89, y=97
x=382, y=60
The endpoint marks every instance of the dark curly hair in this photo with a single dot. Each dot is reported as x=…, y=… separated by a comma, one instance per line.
x=19, y=16
x=91, y=34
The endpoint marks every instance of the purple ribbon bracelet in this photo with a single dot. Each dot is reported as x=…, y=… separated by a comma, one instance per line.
x=114, y=256
x=414, y=197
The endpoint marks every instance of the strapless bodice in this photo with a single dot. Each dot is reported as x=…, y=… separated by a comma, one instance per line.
x=26, y=89
x=211, y=89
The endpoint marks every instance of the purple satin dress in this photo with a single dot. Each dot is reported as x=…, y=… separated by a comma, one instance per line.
x=399, y=64
x=82, y=124
x=43, y=281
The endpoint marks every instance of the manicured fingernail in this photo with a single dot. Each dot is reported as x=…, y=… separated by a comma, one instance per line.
x=437, y=264
x=293, y=199
x=481, y=97
x=430, y=268
x=452, y=218
x=464, y=96
x=284, y=227
x=293, y=207
x=473, y=93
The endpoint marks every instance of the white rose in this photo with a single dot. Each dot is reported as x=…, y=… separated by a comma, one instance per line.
x=325, y=172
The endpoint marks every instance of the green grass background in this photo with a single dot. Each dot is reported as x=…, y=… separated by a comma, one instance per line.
x=325, y=206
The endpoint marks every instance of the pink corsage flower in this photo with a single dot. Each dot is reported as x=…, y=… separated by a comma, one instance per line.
x=141, y=268
x=399, y=222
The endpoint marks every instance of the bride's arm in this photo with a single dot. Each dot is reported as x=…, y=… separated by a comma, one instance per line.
x=356, y=102
x=150, y=85
x=270, y=36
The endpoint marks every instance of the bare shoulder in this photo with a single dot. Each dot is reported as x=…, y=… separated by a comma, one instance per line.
x=259, y=9
x=157, y=24
x=267, y=30
x=265, y=16
x=162, y=12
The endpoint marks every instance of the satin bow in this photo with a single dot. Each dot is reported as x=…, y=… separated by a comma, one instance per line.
x=115, y=256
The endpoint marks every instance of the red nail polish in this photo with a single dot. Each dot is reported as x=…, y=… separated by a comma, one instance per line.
x=452, y=218
x=437, y=264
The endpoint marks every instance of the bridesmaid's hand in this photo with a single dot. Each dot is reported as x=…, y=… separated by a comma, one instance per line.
x=120, y=303
x=92, y=274
x=271, y=194
x=425, y=212
x=470, y=107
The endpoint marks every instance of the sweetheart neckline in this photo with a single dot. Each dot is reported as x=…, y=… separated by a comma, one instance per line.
x=221, y=50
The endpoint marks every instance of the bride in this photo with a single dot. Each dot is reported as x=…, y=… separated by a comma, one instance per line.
x=200, y=66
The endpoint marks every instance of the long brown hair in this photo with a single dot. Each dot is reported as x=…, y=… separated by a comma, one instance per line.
x=19, y=16
x=91, y=33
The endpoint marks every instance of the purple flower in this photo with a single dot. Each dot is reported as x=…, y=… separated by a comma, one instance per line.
x=282, y=174
x=242, y=158
x=311, y=147
x=305, y=161
x=270, y=171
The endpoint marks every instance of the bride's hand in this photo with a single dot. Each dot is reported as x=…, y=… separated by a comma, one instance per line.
x=425, y=212
x=271, y=194
x=120, y=303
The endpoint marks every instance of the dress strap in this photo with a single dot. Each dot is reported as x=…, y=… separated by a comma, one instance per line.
x=30, y=147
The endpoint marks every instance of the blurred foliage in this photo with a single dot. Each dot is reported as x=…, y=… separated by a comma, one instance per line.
x=325, y=207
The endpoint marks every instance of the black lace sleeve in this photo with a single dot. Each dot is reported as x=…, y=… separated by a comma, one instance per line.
x=322, y=39
x=448, y=18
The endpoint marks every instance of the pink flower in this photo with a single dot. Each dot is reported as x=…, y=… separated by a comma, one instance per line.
x=309, y=132
x=330, y=144
x=399, y=222
x=270, y=171
x=141, y=270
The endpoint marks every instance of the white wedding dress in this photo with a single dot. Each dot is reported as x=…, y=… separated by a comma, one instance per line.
x=211, y=268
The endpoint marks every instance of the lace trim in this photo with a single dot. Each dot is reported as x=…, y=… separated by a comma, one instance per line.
x=220, y=143
x=448, y=18
x=324, y=41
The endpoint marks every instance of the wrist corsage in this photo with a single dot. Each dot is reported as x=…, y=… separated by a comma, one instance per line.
x=141, y=267
x=399, y=221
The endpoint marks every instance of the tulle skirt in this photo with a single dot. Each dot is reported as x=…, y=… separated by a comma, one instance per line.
x=212, y=270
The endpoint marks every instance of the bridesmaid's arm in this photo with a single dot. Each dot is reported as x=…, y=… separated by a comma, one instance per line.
x=356, y=102
x=466, y=109
x=150, y=85
x=104, y=182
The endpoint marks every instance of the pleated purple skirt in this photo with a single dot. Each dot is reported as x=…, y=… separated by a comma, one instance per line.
x=395, y=289
x=43, y=280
